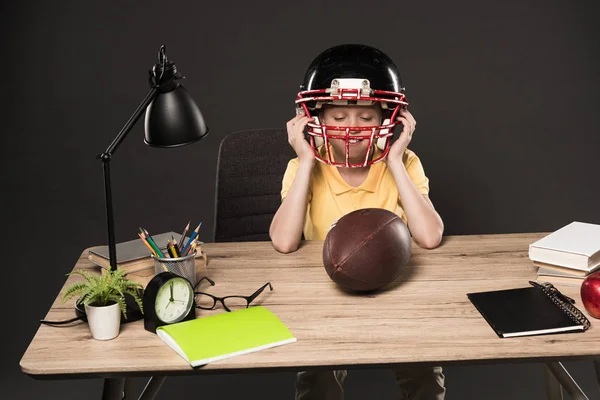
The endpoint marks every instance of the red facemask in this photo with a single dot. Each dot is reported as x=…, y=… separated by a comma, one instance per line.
x=351, y=92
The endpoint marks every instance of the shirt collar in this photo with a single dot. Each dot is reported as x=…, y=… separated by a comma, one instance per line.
x=338, y=184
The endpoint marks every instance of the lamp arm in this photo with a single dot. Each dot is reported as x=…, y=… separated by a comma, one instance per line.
x=106, y=157
x=130, y=123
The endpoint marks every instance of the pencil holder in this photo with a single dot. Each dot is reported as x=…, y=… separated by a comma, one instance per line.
x=182, y=266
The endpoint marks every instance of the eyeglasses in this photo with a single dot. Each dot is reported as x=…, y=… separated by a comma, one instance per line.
x=207, y=301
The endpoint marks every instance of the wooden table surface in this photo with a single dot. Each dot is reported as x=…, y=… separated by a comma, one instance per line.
x=425, y=318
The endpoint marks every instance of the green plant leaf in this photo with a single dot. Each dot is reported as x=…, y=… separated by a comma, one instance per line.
x=112, y=286
x=75, y=289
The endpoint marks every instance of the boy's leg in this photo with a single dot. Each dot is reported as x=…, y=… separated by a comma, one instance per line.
x=420, y=383
x=320, y=385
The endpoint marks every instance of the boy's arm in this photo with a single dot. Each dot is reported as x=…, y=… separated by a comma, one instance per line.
x=424, y=223
x=288, y=222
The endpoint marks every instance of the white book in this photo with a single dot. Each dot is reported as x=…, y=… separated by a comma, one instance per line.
x=576, y=246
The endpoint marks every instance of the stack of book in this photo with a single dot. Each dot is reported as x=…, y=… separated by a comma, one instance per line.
x=568, y=255
x=132, y=256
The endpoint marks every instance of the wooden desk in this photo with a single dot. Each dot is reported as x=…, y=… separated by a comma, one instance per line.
x=426, y=319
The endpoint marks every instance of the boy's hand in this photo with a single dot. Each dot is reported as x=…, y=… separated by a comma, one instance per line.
x=295, y=129
x=399, y=146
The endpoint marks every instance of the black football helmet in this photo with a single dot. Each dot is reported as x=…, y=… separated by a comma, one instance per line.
x=351, y=74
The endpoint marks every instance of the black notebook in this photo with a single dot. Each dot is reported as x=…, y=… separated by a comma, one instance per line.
x=537, y=310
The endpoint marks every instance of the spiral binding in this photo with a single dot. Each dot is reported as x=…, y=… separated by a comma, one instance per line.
x=565, y=303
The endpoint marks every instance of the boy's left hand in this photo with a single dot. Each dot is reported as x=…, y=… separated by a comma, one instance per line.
x=399, y=146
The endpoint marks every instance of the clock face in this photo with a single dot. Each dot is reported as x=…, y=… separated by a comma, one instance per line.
x=174, y=300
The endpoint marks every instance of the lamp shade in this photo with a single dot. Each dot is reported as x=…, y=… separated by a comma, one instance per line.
x=173, y=119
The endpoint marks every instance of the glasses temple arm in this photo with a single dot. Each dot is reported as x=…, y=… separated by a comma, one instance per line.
x=259, y=291
x=212, y=283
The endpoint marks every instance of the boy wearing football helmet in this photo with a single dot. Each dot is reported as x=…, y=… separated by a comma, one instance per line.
x=350, y=101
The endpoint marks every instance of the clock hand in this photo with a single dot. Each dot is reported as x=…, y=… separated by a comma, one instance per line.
x=171, y=299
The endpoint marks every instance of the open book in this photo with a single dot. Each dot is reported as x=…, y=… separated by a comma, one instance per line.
x=216, y=337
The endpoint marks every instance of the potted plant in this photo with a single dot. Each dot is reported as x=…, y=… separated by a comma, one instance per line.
x=104, y=300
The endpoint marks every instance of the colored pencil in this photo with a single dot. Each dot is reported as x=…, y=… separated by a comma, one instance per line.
x=180, y=244
x=191, y=247
x=152, y=243
x=152, y=251
x=170, y=250
x=192, y=237
x=176, y=247
x=187, y=250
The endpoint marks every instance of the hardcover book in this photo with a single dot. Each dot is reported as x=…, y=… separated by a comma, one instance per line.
x=576, y=245
x=133, y=256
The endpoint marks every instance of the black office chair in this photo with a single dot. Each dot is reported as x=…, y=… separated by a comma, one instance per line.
x=250, y=169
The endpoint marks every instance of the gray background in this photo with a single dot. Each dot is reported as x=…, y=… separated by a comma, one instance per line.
x=505, y=93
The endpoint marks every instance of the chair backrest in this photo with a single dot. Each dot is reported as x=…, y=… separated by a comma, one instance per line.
x=250, y=169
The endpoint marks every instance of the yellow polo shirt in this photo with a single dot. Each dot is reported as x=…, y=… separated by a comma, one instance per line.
x=330, y=197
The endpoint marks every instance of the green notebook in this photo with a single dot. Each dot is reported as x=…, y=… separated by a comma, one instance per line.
x=225, y=335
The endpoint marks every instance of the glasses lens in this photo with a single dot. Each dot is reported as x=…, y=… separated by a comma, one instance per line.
x=235, y=303
x=204, y=301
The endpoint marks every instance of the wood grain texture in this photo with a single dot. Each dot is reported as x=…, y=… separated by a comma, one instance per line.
x=423, y=317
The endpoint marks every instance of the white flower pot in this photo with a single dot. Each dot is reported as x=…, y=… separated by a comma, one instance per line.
x=104, y=322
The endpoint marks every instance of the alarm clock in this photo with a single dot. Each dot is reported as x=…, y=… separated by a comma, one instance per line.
x=168, y=298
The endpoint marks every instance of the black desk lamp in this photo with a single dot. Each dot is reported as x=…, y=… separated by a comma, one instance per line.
x=172, y=120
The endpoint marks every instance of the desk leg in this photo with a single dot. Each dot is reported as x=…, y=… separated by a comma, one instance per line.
x=113, y=389
x=152, y=387
x=597, y=366
x=128, y=389
x=567, y=382
x=553, y=388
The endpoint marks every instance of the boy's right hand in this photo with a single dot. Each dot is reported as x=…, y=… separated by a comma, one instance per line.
x=295, y=130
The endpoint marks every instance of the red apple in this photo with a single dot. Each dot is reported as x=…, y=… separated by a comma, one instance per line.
x=590, y=294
